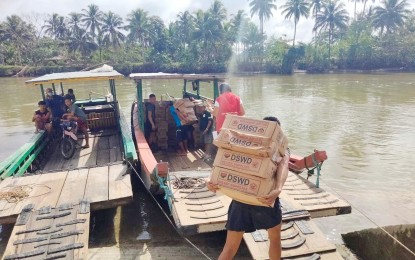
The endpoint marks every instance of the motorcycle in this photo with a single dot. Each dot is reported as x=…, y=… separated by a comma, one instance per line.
x=69, y=138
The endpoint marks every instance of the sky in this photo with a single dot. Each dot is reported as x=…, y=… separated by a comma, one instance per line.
x=277, y=26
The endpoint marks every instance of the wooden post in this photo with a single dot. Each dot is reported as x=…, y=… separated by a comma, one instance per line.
x=215, y=89
x=140, y=106
x=62, y=88
x=184, y=87
x=198, y=88
x=53, y=87
x=113, y=89
x=43, y=92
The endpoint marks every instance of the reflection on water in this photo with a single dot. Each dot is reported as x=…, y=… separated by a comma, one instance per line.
x=364, y=122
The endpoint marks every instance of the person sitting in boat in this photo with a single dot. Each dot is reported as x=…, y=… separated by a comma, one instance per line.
x=56, y=105
x=226, y=103
x=181, y=130
x=150, y=127
x=76, y=114
x=248, y=218
x=41, y=117
x=71, y=95
x=206, y=126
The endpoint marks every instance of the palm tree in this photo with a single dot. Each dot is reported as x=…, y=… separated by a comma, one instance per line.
x=92, y=19
x=18, y=33
x=138, y=26
x=51, y=25
x=61, y=28
x=111, y=26
x=218, y=12
x=264, y=10
x=74, y=22
x=333, y=16
x=391, y=15
x=296, y=8
x=206, y=32
x=81, y=41
x=185, y=27
x=238, y=23
x=364, y=6
x=355, y=5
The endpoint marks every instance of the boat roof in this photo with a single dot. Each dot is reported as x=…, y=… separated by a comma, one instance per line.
x=162, y=75
x=96, y=74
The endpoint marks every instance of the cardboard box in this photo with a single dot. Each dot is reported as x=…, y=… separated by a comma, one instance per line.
x=245, y=143
x=185, y=102
x=241, y=187
x=258, y=128
x=262, y=167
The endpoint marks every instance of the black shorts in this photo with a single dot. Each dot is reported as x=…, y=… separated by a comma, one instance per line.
x=181, y=133
x=248, y=218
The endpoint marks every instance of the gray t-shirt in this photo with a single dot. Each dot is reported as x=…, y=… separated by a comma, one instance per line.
x=77, y=112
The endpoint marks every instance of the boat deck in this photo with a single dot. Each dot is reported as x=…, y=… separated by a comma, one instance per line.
x=198, y=210
x=104, y=149
x=103, y=187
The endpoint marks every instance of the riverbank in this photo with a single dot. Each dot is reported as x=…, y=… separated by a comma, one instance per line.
x=128, y=68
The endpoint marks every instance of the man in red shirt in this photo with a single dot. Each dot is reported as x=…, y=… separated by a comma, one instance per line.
x=226, y=103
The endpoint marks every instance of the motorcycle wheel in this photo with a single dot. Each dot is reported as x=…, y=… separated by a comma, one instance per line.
x=67, y=148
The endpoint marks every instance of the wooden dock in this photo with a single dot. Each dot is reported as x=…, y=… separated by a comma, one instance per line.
x=50, y=233
x=103, y=187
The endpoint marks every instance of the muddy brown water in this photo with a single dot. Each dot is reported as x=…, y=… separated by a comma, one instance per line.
x=364, y=121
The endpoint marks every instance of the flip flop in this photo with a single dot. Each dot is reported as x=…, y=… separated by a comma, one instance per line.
x=85, y=147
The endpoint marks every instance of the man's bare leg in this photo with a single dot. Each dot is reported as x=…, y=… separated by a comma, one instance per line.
x=233, y=240
x=85, y=131
x=274, y=236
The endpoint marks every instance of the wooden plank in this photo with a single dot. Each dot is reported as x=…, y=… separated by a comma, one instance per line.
x=103, y=157
x=88, y=156
x=115, y=148
x=102, y=142
x=7, y=214
x=314, y=243
x=74, y=188
x=82, y=253
x=10, y=248
x=119, y=184
x=97, y=185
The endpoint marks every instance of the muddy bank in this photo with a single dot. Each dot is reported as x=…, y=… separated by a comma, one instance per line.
x=376, y=244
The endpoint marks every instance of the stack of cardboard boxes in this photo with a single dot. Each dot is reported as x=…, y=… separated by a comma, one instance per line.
x=245, y=164
x=186, y=111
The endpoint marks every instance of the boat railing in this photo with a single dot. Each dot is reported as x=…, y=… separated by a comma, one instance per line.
x=20, y=161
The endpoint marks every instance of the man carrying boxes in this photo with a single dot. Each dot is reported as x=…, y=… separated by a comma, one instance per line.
x=251, y=167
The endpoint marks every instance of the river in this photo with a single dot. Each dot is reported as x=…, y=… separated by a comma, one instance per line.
x=365, y=123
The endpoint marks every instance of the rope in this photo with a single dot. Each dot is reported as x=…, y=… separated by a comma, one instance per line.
x=188, y=183
x=381, y=228
x=167, y=217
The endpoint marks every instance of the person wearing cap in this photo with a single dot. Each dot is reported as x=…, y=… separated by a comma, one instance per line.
x=226, y=103
x=41, y=117
x=56, y=105
x=243, y=217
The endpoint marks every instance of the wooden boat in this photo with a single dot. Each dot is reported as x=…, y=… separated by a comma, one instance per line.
x=110, y=141
x=181, y=179
x=42, y=190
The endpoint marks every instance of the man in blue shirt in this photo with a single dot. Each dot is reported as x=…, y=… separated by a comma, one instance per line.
x=56, y=106
x=181, y=130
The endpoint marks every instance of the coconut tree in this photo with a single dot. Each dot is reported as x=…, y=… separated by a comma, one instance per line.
x=332, y=16
x=18, y=33
x=51, y=25
x=391, y=15
x=218, y=12
x=206, y=32
x=112, y=25
x=296, y=8
x=92, y=18
x=138, y=27
x=80, y=40
x=263, y=8
x=74, y=22
x=185, y=27
x=238, y=22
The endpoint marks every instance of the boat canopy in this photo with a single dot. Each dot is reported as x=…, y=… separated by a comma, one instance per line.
x=102, y=73
x=162, y=75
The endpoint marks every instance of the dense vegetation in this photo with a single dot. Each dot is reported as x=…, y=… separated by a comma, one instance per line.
x=378, y=36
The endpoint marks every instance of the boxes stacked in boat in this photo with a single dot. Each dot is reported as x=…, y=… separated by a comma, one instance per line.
x=185, y=111
x=197, y=134
x=162, y=128
x=244, y=166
